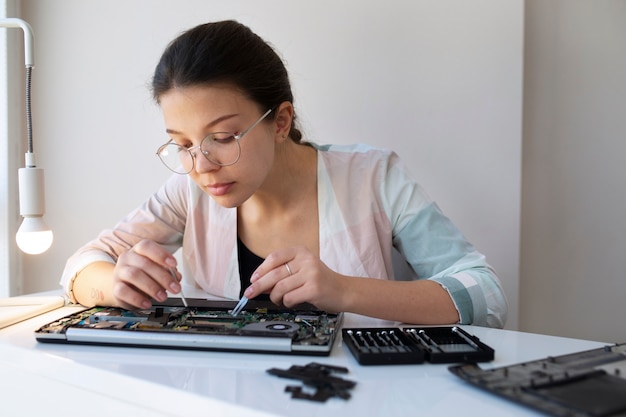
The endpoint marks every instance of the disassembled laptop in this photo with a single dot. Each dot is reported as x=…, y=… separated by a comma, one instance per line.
x=204, y=325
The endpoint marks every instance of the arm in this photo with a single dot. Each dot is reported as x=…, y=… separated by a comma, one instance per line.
x=454, y=283
x=310, y=280
x=466, y=291
x=420, y=302
x=89, y=273
x=438, y=252
x=140, y=275
x=94, y=285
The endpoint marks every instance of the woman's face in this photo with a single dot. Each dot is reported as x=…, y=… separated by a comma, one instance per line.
x=191, y=113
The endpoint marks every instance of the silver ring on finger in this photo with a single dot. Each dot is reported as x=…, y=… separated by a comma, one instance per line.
x=288, y=269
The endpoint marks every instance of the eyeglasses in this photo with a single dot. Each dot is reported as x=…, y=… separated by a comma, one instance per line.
x=220, y=148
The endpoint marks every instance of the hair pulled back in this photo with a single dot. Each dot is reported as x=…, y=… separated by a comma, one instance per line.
x=225, y=52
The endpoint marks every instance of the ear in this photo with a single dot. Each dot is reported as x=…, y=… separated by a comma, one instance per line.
x=282, y=121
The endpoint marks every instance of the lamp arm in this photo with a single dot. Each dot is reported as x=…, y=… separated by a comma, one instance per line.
x=13, y=22
x=29, y=61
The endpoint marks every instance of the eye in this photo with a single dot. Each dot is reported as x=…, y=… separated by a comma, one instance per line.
x=182, y=144
x=181, y=149
x=170, y=149
x=221, y=138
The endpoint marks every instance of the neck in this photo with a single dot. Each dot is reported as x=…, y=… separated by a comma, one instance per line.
x=293, y=176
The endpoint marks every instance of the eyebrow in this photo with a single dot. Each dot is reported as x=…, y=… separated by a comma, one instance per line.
x=208, y=125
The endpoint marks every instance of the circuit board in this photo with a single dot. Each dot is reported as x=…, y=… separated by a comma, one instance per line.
x=210, y=326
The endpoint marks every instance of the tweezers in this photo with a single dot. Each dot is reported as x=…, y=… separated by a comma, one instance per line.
x=240, y=305
x=181, y=289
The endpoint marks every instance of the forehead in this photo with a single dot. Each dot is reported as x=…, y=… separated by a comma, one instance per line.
x=193, y=107
x=208, y=96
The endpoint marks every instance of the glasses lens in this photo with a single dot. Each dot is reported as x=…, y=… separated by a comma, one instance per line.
x=176, y=158
x=221, y=148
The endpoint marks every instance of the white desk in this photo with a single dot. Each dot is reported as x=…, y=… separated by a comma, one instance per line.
x=48, y=379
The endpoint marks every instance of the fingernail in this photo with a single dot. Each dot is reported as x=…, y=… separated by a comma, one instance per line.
x=161, y=295
x=146, y=304
x=175, y=287
x=170, y=261
x=255, y=276
x=248, y=292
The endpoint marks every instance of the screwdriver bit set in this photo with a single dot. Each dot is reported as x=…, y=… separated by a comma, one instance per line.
x=415, y=345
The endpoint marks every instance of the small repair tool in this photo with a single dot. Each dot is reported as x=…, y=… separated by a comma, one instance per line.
x=240, y=305
x=182, y=296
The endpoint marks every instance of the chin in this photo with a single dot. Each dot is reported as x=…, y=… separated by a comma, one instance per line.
x=228, y=201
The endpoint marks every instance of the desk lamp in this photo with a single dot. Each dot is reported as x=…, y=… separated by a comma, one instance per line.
x=33, y=236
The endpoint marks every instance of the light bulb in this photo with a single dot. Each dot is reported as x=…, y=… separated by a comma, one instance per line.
x=34, y=236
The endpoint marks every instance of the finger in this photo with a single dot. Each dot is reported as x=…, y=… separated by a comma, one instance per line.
x=290, y=298
x=155, y=252
x=156, y=281
x=273, y=261
x=265, y=280
x=145, y=275
x=161, y=265
x=129, y=297
x=141, y=280
x=287, y=287
x=275, y=282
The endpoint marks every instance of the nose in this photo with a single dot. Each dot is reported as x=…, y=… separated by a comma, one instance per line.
x=202, y=164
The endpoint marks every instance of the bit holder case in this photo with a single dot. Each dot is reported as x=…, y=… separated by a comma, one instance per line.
x=415, y=345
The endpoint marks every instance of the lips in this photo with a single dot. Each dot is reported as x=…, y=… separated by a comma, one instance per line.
x=219, y=189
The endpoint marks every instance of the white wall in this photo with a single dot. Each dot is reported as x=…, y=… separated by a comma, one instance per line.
x=439, y=81
x=11, y=122
x=573, y=279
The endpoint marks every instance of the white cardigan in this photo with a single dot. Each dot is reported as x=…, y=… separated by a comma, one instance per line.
x=368, y=203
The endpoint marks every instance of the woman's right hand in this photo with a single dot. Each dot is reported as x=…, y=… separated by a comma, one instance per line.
x=143, y=274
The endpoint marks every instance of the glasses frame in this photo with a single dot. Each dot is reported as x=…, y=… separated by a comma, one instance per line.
x=237, y=138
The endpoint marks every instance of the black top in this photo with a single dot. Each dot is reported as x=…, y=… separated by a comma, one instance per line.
x=248, y=263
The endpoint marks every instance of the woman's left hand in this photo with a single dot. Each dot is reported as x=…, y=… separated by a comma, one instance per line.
x=293, y=276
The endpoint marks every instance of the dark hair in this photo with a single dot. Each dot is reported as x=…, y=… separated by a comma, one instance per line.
x=225, y=52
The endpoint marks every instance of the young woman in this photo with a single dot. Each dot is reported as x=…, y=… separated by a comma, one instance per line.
x=260, y=212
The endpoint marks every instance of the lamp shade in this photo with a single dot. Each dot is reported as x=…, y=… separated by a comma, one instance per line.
x=33, y=236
